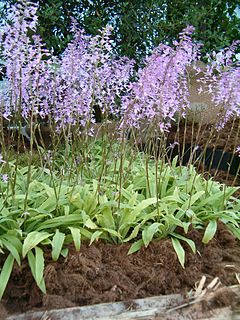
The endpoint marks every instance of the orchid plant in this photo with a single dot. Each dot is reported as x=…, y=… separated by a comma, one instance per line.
x=88, y=82
x=103, y=189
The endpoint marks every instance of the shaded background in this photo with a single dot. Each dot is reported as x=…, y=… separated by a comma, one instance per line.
x=139, y=25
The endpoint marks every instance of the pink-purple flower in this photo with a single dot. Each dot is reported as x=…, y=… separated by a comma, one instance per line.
x=162, y=86
x=5, y=178
x=89, y=76
x=238, y=150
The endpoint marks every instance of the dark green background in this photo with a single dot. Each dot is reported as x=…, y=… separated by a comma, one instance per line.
x=139, y=25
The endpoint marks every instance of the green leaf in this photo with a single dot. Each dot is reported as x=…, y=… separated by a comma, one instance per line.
x=5, y=273
x=143, y=205
x=136, y=246
x=90, y=224
x=148, y=233
x=133, y=234
x=188, y=241
x=186, y=226
x=85, y=234
x=32, y=240
x=12, y=250
x=193, y=199
x=234, y=230
x=190, y=213
x=57, y=243
x=66, y=210
x=95, y=236
x=210, y=231
x=42, y=286
x=49, y=205
x=76, y=235
x=211, y=200
x=106, y=219
x=64, y=252
x=133, y=200
x=112, y=232
x=39, y=265
x=127, y=218
x=179, y=251
x=71, y=219
x=32, y=264
x=172, y=221
x=164, y=180
x=173, y=198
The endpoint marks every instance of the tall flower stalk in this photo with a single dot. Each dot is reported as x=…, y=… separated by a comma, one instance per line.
x=88, y=83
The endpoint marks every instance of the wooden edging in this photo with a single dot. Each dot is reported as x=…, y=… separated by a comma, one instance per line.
x=131, y=309
x=153, y=308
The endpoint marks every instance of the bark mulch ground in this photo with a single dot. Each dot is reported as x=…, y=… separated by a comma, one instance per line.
x=226, y=138
x=105, y=273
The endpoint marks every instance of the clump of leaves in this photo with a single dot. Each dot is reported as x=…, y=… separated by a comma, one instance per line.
x=141, y=209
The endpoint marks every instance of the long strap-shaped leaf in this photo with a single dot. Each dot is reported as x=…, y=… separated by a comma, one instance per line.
x=5, y=273
x=32, y=240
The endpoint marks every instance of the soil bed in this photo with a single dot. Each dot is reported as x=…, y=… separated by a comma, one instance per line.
x=224, y=140
x=200, y=134
x=105, y=273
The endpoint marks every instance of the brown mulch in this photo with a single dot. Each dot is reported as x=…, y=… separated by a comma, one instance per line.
x=226, y=138
x=105, y=273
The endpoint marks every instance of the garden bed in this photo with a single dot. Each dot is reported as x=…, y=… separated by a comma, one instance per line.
x=219, y=153
x=105, y=273
x=156, y=226
x=213, y=303
x=211, y=151
x=224, y=138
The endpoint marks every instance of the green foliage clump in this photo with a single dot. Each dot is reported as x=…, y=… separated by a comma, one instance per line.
x=54, y=210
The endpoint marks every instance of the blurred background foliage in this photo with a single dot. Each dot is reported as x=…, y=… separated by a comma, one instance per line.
x=139, y=25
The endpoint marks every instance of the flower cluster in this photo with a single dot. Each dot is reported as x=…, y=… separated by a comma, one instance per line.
x=4, y=177
x=23, y=59
x=162, y=87
x=88, y=78
x=222, y=82
x=238, y=150
x=68, y=88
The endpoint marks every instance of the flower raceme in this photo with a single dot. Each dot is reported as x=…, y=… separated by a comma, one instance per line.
x=25, y=62
x=88, y=76
x=161, y=89
x=222, y=82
